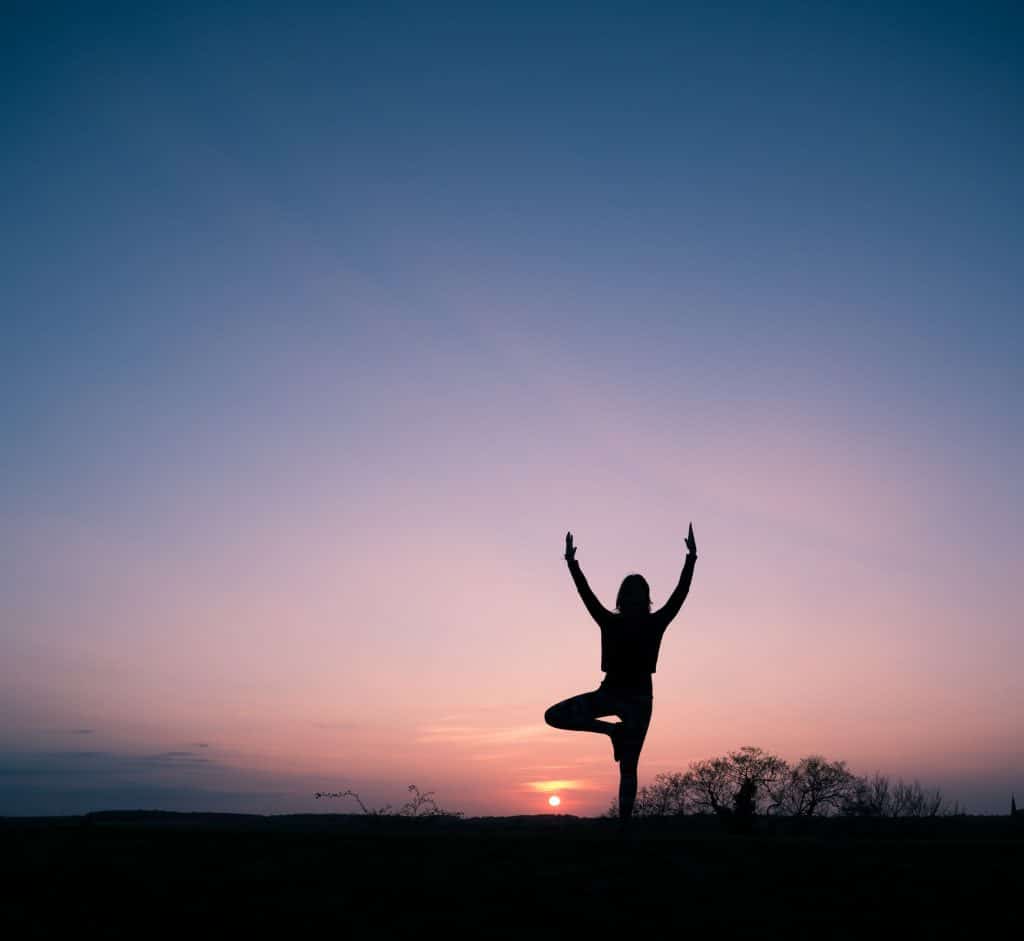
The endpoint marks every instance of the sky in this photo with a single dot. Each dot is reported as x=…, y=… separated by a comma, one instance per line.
x=324, y=323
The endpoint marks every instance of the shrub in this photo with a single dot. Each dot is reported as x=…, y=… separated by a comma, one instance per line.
x=421, y=805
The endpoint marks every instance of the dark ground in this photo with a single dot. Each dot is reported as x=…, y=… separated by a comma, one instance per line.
x=122, y=873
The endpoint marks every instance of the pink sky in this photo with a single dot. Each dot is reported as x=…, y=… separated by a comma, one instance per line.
x=410, y=620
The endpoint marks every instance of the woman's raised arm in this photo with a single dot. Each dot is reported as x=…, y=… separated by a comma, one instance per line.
x=678, y=596
x=597, y=611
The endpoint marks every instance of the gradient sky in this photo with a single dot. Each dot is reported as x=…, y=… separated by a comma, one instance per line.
x=323, y=323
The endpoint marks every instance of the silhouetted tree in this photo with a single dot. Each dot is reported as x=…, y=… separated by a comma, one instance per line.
x=715, y=784
x=667, y=795
x=744, y=806
x=869, y=797
x=909, y=800
x=815, y=787
x=879, y=797
x=710, y=785
x=756, y=771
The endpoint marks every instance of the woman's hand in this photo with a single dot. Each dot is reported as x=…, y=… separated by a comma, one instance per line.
x=570, y=549
x=691, y=545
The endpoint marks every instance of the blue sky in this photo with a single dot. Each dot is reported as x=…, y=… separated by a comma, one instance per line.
x=296, y=296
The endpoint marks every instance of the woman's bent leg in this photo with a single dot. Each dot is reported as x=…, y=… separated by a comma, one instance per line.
x=580, y=713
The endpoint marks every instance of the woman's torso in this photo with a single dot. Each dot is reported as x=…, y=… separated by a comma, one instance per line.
x=629, y=652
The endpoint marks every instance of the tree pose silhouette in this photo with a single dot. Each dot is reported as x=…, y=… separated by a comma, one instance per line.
x=630, y=642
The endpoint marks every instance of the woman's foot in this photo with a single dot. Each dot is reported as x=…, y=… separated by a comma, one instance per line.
x=616, y=735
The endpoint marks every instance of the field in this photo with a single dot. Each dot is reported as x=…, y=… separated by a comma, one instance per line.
x=136, y=873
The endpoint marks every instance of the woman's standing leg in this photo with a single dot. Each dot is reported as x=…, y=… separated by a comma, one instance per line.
x=628, y=765
x=636, y=718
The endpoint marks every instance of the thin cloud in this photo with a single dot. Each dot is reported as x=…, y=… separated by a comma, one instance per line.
x=479, y=735
x=549, y=787
x=75, y=764
x=77, y=781
x=176, y=758
x=477, y=711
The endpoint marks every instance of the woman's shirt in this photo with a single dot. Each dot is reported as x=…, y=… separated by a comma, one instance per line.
x=630, y=642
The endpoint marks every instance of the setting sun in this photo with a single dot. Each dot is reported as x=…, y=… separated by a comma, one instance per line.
x=554, y=800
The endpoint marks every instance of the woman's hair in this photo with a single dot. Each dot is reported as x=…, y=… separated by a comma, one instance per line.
x=634, y=594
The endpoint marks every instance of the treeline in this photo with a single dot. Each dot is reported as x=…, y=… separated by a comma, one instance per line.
x=750, y=781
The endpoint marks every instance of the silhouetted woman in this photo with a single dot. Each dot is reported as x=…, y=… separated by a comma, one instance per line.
x=630, y=640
